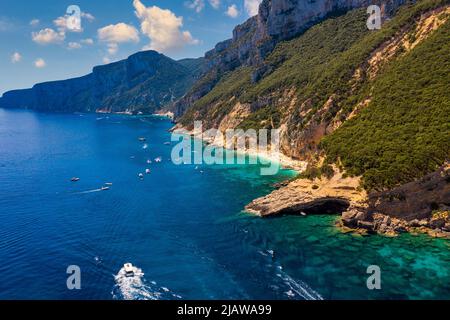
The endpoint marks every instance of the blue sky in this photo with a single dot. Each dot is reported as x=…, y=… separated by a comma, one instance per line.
x=36, y=44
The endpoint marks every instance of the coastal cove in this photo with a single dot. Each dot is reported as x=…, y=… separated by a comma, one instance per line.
x=183, y=226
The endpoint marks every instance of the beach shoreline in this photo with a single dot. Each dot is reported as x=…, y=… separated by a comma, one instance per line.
x=267, y=156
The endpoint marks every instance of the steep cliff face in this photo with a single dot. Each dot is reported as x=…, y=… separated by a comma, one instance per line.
x=372, y=105
x=375, y=102
x=146, y=81
x=278, y=20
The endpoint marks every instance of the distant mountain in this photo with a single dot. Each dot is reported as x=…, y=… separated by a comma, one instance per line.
x=146, y=81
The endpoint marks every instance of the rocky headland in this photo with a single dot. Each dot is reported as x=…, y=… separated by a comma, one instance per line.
x=421, y=206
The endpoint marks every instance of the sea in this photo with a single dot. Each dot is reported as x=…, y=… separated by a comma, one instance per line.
x=183, y=226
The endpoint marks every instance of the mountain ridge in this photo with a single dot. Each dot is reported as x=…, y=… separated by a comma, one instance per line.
x=253, y=40
x=144, y=82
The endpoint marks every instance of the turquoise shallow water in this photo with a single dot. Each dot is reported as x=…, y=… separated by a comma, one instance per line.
x=183, y=227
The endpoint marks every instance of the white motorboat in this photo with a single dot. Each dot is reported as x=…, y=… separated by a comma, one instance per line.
x=129, y=269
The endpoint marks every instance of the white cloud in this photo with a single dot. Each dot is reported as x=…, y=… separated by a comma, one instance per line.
x=215, y=3
x=163, y=28
x=16, y=57
x=34, y=22
x=89, y=17
x=232, y=11
x=48, y=36
x=112, y=48
x=252, y=6
x=40, y=63
x=196, y=5
x=87, y=41
x=61, y=23
x=74, y=45
x=118, y=33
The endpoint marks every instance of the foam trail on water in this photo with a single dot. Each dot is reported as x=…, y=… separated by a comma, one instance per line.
x=89, y=191
x=298, y=287
x=136, y=288
x=295, y=288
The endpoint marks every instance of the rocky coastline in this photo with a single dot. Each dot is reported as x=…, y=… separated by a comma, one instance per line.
x=387, y=213
x=268, y=155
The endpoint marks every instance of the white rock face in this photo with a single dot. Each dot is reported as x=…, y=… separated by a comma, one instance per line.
x=283, y=19
x=276, y=21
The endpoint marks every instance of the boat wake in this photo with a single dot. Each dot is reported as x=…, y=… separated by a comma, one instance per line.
x=137, y=288
x=89, y=191
x=292, y=288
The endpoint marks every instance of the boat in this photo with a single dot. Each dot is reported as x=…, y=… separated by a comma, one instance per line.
x=104, y=188
x=149, y=161
x=159, y=159
x=167, y=143
x=141, y=175
x=75, y=179
x=142, y=139
x=147, y=171
x=129, y=269
x=108, y=184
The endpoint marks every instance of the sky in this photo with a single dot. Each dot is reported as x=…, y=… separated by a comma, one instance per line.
x=49, y=40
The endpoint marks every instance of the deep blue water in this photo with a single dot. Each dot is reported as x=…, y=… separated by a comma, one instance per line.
x=183, y=227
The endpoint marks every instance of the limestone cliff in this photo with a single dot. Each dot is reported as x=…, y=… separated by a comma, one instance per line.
x=252, y=41
x=374, y=104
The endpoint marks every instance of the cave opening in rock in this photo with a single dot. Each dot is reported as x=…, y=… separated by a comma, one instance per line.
x=319, y=206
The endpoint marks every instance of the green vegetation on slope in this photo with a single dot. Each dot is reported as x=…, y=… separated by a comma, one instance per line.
x=294, y=62
x=407, y=134
x=405, y=131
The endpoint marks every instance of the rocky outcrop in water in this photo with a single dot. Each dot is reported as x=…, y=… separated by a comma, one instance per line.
x=146, y=81
x=421, y=206
x=304, y=197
